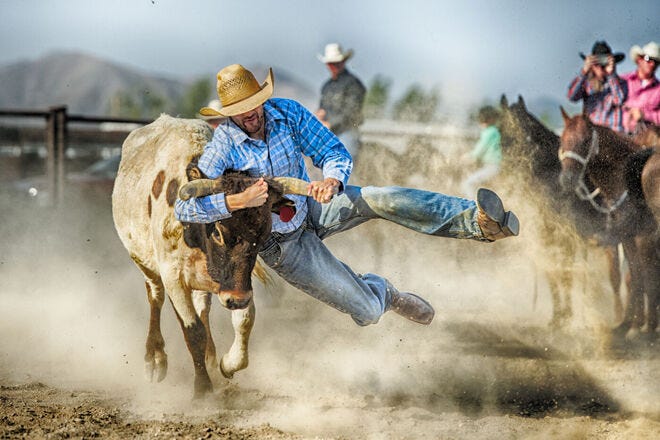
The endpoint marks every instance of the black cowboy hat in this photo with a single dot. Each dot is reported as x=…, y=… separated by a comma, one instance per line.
x=603, y=49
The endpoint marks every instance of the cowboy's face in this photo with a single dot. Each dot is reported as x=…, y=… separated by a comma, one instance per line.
x=335, y=68
x=646, y=66
x=251, y=122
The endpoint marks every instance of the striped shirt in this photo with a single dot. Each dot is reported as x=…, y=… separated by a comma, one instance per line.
x=604, y=107
x=291, y=132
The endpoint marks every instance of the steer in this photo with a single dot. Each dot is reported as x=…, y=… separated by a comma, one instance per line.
x=189, y=262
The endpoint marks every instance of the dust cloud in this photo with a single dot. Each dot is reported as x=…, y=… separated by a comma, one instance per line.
x=73, y=314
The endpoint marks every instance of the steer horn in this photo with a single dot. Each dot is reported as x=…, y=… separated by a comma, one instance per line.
x=199, y=188
x=205, y=187
x=291, y=185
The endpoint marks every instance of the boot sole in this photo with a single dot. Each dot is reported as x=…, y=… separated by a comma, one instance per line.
x=491, y=204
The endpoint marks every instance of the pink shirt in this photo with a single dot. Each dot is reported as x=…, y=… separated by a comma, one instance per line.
x=645, y=97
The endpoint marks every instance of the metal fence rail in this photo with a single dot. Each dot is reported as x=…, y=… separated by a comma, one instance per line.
x=56, y=136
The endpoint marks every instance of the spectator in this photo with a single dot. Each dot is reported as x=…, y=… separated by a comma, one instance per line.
x=342, y=97
x=600, y=89
x=643, y=103
x=487, y=153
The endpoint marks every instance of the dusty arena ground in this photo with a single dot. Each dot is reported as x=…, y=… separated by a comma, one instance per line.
x=73, y=320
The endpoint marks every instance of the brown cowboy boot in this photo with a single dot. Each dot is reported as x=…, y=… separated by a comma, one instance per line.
x=411, y=307
x=495, y=223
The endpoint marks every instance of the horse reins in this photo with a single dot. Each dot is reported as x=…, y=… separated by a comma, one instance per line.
x=581, y=189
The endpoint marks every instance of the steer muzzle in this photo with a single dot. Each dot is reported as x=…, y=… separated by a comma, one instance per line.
x=235, y=299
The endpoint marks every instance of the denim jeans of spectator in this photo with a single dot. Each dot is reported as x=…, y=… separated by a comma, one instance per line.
x=305, y=262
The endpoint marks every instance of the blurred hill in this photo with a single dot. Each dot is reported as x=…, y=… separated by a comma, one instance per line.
x=90, y=85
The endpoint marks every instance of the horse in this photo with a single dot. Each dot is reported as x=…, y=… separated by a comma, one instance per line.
x=530, y=151
x=646, y=134
x=626, y=178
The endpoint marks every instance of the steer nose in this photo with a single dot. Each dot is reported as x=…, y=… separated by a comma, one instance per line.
x=234, y=300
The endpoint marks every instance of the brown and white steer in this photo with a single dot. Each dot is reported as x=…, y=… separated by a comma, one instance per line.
x=189, y=262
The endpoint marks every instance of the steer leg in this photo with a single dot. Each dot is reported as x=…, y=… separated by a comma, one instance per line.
x=155, y=358
x=194, y=334
x=202, y=303
x=237, y=356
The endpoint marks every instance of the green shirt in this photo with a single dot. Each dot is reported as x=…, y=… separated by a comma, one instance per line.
x=488, y=149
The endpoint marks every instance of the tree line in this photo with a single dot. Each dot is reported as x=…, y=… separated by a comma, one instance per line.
x=416, y=104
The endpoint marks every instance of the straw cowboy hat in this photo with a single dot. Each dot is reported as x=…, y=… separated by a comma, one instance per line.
x=213, y=104
x=334, y=54
x=239, y=91
x=651, y=50
x=603, y=49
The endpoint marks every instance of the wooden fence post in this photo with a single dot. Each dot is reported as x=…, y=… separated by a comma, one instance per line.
x=56, y=128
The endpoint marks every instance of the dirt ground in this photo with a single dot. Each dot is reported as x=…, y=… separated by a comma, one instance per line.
x=73, y=320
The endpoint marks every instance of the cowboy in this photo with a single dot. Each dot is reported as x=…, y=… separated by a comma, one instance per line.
x=342, y=97
x=643, y=103
x=599, y=87
x=269, y=136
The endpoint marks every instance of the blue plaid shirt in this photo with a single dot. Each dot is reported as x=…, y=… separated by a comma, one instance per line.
x=291, y=132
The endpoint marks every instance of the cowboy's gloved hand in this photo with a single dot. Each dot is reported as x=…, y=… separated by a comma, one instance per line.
x=323, y=191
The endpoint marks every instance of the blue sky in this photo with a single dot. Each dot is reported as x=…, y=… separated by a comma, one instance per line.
x=471, y=50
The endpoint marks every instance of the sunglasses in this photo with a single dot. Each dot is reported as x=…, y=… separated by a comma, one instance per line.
x=648, y=59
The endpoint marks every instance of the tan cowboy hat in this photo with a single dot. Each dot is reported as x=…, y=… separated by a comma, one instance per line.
x=334, y=54
x=652, y=50
x=239, y=91
x=213, y=104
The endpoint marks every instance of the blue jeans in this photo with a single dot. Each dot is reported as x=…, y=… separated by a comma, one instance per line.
x=301, y=258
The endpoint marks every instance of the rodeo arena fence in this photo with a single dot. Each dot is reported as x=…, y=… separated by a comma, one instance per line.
x=26, y=144
x=51, y=142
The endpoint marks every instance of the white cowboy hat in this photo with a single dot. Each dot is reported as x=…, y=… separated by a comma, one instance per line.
x=334, y=54
x=652, y=50
x=239, y=91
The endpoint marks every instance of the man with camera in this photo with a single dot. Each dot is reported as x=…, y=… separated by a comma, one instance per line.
x=599, y=87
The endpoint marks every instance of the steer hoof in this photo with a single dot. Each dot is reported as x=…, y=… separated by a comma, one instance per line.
x=155, y=370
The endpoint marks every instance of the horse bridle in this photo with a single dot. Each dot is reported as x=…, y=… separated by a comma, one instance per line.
x=582, y=190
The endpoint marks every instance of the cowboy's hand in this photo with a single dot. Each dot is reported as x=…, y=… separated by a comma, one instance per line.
x=609, y=68
x=320, y=115
x=636, y=114
x=323, y=191
x=589, y=61
x=255, y=195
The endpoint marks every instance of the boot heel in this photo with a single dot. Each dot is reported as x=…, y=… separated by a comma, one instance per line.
x=510, y=225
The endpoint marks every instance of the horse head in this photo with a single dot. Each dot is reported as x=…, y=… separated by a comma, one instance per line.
x=578, y=147
x=526, y=138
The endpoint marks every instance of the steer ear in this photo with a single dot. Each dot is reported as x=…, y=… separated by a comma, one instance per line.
x=192, y=171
